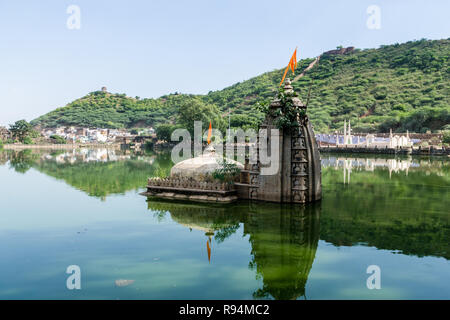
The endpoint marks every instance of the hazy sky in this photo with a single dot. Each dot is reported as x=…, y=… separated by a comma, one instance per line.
x=150, y=48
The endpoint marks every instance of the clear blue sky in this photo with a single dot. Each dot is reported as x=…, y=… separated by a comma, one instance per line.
x=150, y=48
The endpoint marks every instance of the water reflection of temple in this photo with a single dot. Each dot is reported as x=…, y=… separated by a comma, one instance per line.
x=284, y=243
x=283, y=239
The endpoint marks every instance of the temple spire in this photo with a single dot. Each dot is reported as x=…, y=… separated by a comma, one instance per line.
x=288, y=86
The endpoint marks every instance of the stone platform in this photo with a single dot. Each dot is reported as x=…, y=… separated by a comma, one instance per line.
x=190, y=190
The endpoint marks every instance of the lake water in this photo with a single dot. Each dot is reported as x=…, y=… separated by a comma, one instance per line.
x=83, y=208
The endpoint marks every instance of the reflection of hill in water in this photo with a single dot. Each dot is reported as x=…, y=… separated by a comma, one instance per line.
x=408, y=214
x=98, y=173
x=389, y=211
x=99, y=179
x=283, y=238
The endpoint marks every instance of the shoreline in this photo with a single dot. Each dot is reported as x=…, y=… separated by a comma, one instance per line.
x=418, y=151
x=59, y=146
x=357, y=150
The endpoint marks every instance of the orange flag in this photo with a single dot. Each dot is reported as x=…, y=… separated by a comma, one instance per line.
x=295, y=58
x=294, y=61
x=292, y=65
x=208, y=248
x=209, y=133
x=284, y=75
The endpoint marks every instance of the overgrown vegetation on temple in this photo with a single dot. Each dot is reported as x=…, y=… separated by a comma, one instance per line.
x=401, y=86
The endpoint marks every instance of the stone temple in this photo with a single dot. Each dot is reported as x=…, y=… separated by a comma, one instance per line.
x=296, y=180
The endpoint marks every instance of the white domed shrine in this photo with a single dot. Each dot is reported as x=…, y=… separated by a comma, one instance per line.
x=200, y=167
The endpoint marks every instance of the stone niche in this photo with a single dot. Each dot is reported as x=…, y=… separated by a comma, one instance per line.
x=298, y=179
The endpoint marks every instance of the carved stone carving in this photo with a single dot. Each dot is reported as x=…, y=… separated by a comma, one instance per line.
x=254, y=179
x=299, y=155
x=298, y=142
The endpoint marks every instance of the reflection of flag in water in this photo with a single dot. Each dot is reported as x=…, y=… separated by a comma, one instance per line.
x=209, y=133
x=208, y=248
x=292, y=65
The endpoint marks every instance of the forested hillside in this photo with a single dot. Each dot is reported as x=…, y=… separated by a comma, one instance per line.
x=401, y=86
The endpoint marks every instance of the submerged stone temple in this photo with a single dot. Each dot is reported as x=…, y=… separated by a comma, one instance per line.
x=297, y=174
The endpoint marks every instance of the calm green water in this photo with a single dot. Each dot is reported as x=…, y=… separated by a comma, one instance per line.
x=84, y=208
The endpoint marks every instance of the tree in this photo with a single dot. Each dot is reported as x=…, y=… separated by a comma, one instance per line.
x=243, y=121
x=194, y=109
x=58, y=139
x=20, y=129
x=164, y=131
x=446, y=137
x=27, y=140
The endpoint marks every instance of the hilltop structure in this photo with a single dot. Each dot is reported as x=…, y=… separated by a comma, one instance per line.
x=340, y=51
x=296, y=177
x=4, y=134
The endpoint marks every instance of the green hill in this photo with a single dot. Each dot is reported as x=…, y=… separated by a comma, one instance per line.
x=401, y=86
